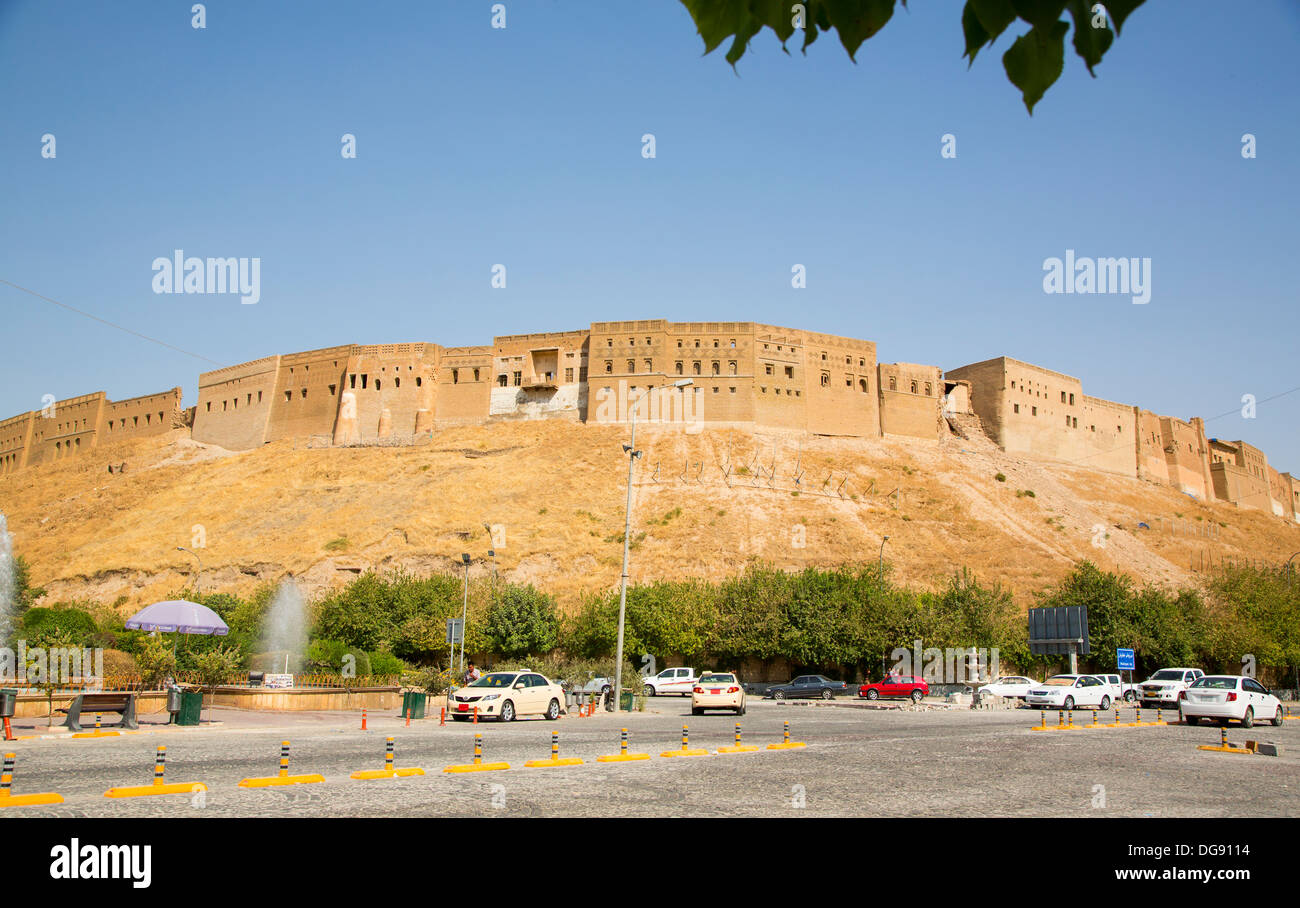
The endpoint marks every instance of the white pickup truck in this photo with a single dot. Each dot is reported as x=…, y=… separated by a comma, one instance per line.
x=1122, y=690
x=1162, y=688
x=670, y=681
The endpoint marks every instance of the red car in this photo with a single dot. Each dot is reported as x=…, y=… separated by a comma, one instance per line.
x=896, y=687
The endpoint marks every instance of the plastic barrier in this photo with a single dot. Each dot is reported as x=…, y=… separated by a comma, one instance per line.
x=8, y=799
x=159, y=787
x=555, y=759
x=388, y=772
x=622, y=756
x=283, y=778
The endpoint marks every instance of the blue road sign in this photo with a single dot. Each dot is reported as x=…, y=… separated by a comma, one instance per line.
x=1125, y=659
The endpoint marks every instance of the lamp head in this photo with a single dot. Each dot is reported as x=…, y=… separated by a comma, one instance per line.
x=464, y=556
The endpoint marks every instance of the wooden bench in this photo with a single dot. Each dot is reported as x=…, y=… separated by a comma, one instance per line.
x=121, y=703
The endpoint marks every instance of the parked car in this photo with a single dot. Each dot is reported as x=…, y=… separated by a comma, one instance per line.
x=717, y=690
x=1162, y=688
x=671, y=681
x=1229, y=698
x=896, y=687
x=508, y=695
x=1070, y=692
x=1016, y=686
x=806, y=686
x=1119, y=689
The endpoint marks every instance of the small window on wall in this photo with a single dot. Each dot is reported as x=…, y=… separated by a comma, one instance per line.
x=568, y=376
x=209, y=410
x=929, y=391
x=609, y=366
x=679, y=368
x=352, y=381
x=848, y=381
x=649, y=366
x=826, y=379
x=476, y=375
x=419, y=382
x=913, y=387
x=333, y=390
x=304, y=390
x=717, y=368
x=862, y=385
x=363, y=381
x=518, y=378
x=1071, y=398
x=288, y=396
x=1015, y=408
x=696, y=367
x=731, y=368
x=502, y=380
x=1076, y=422
x=455, y=376
x=397, y=382
x=893, y=383
x=1035, y=411
x=789, y=371
x=1062, y=397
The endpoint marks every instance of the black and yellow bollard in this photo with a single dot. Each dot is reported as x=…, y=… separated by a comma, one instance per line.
x=388, y=772
x=786, y=743
x=159, y=786
x=1093, y=724
x=687, y=750
x=622, y=756
x=1042, y=721
x=8, y=799
x=1160, y=716
x=738, y=748
x=1115, y=724
x=478, y=765
x=555, y=756
x=1223, y=746
x=283, y=778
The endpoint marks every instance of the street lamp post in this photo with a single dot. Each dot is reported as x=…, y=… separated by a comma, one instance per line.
x=464, y=610
x=198, y=578
x=632, y=455
x=880, y=565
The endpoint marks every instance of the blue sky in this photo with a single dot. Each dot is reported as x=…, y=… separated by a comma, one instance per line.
x=522, y=146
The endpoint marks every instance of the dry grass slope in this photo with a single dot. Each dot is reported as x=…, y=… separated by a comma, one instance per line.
x=558, y=488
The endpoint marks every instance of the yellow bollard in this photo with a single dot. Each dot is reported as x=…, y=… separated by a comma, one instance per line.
x=1093, y=724
x=622, y=756
x=7, y=799
x=786, y=743
x=99, y=730
x=1042, y=721
x=478, y=765
x=687, y=750
x=555, y=756
x=283, y=778
x=388, y=772
x=159, y=787
x=738, y=748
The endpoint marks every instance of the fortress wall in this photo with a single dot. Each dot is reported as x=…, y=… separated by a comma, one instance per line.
x=840, y=386
x=392, y=388
x=1151, y=462
x=15, y=441
x=539, y=375
x=1187, y=456
x=149, y=414
x=911, y=400
x=307, y=390
x=463, y=392
x=988, y=398
x=70, y=429
x=1110, y=443
x=1280, y=493
x=234, y=405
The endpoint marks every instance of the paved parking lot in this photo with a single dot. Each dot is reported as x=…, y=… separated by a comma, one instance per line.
x=859, y=762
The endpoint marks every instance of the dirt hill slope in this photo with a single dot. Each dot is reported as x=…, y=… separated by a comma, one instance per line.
x=705, y=504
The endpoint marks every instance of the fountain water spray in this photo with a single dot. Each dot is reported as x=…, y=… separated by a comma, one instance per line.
x=8, y=581
x=285, y=629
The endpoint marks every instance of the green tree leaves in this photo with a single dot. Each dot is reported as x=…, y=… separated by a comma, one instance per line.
x=1033, y=63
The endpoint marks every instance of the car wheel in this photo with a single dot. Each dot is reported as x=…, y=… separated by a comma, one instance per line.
x=1105, y=703
x=1068, y=704
x=740, y=711
x=873, y=694
x=826, y=695
x=778, y=695
x=1278, y=717
x=1129, y=697
x=1248, y=720
x=553, y=710
x=916, y=696
x=649, y=690
x=508, y=711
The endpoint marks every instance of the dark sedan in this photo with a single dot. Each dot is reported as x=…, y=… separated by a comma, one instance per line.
x=807, y=686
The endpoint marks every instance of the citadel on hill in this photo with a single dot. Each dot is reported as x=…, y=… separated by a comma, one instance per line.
x=741, y=374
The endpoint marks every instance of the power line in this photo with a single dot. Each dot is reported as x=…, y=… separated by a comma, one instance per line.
x=152, y=340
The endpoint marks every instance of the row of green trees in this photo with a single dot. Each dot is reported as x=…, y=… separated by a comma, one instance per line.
x=844, y=620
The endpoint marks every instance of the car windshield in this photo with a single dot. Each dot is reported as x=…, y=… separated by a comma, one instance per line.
x=496, y=679
x=1168, y=674
x=1216, y=683
x=1059, y=681
x=718, y=679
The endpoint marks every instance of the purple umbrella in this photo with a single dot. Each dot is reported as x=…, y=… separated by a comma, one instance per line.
x=178, y=616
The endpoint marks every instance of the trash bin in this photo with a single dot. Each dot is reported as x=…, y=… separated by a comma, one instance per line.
x=8, y=702
x=174, y=696
x=417, y=702
x=191, y=711
x=626, y=700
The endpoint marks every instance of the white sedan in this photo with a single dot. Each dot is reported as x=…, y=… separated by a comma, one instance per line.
x=1070, y=692
x=1009, y=686
x=718, y=690
x=1229, y=697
